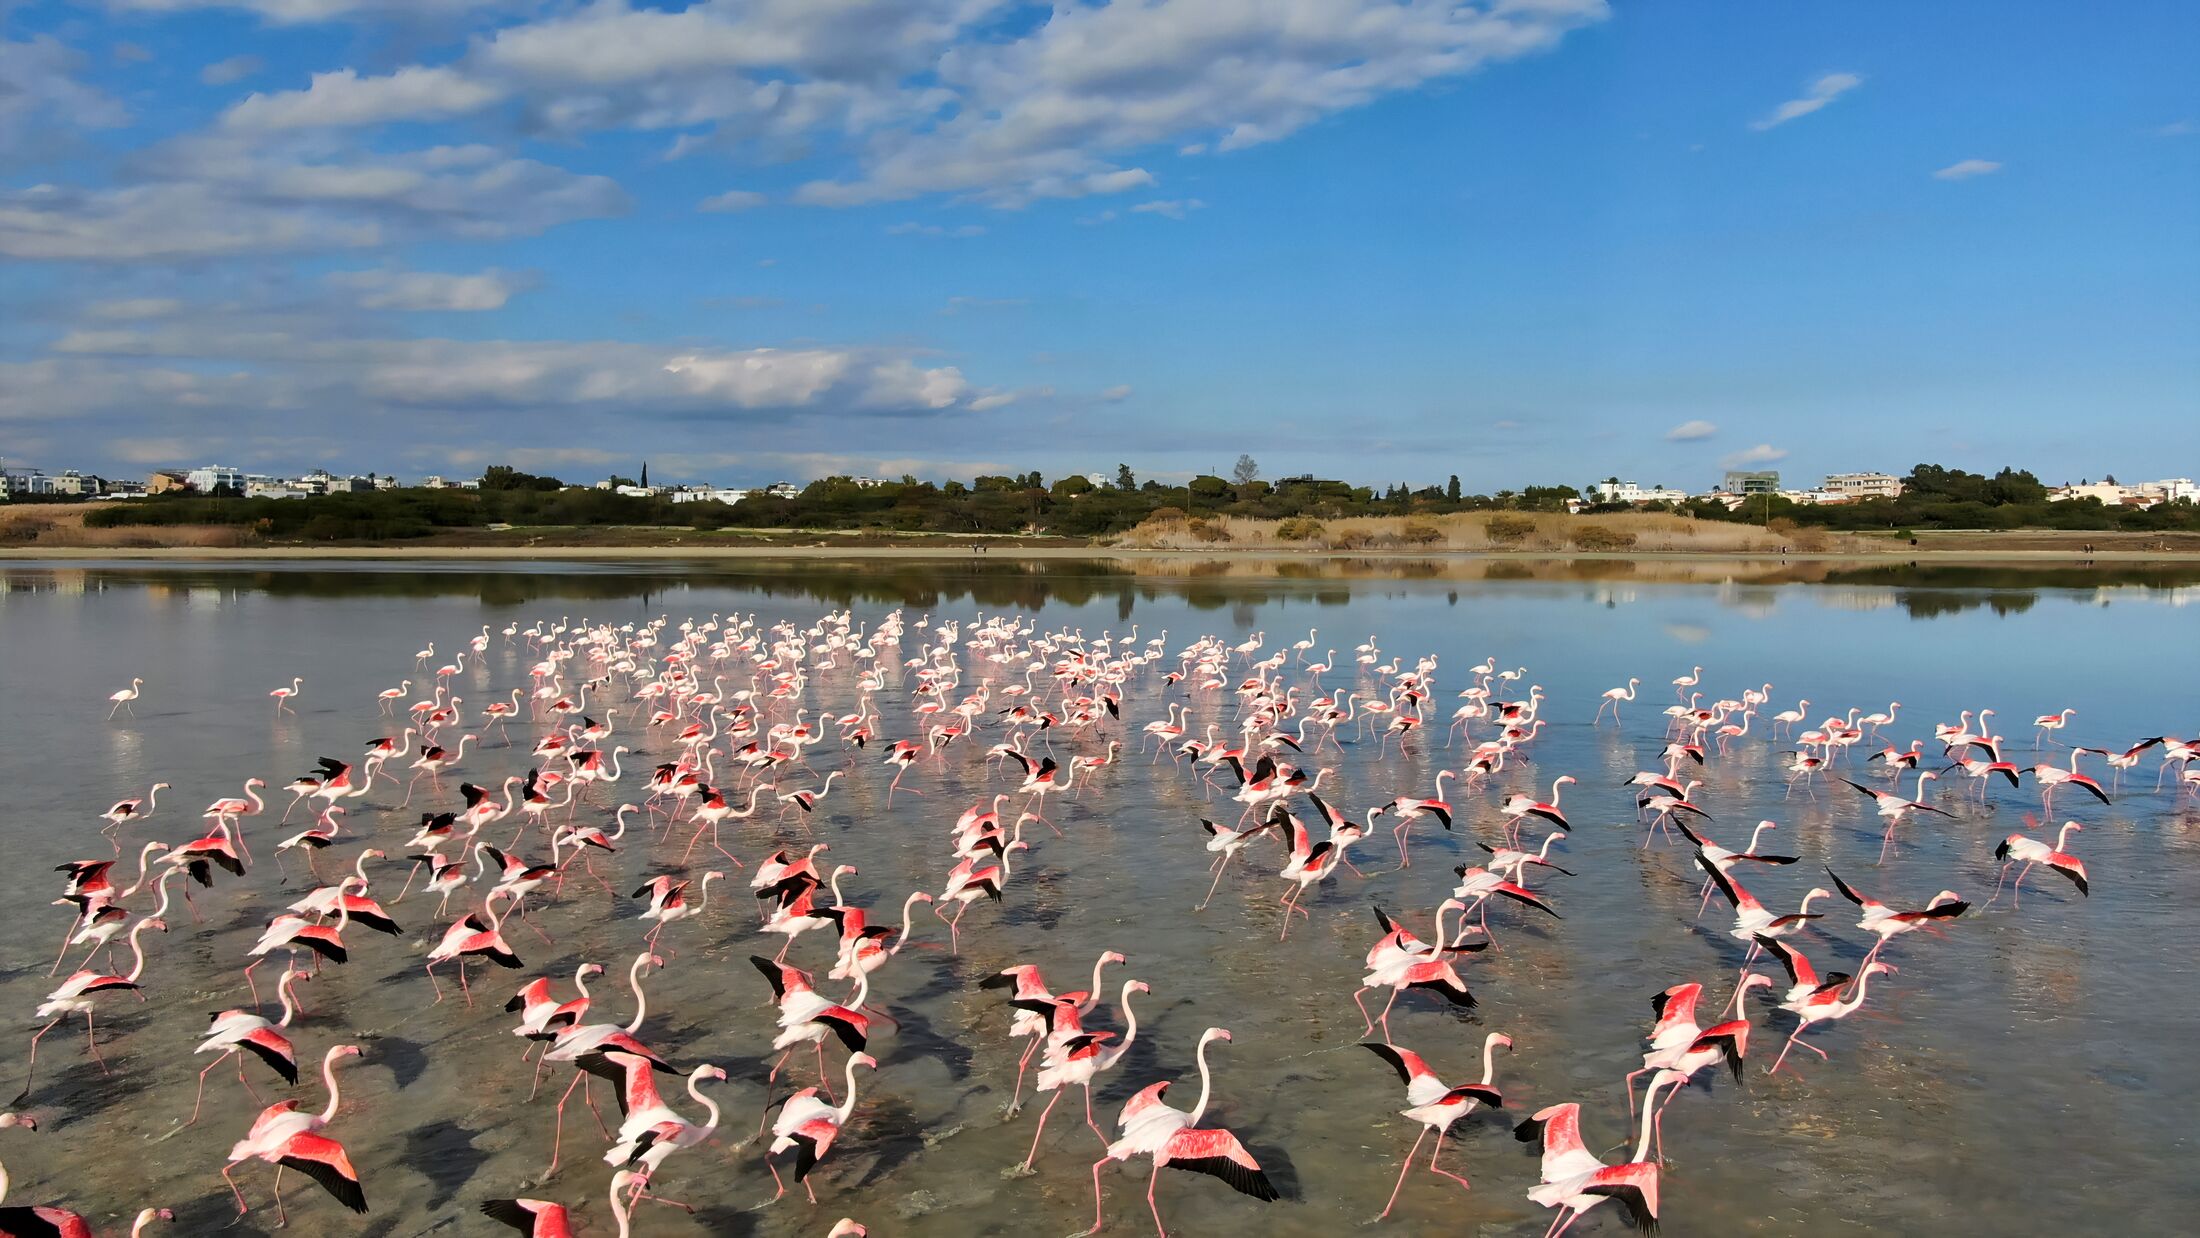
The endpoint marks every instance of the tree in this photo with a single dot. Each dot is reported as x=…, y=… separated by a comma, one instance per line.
x=645, y=474
x=1246, y=470
x=1451, y=490
x=1123, y=479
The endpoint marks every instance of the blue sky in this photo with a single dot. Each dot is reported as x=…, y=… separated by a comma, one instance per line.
x=1518, y=240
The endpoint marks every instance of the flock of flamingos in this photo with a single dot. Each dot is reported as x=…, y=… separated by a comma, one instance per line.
x=729, y=710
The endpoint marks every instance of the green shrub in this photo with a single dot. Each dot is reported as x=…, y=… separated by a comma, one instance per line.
x=1298, y=529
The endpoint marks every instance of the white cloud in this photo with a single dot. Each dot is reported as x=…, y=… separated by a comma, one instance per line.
x=733, y=200
x=2178, y=129
x=930, y=97
x=302, y=12
x=415, y=92
x=426, y=290
x=1817, y=95
x=130, y=308
x=1117, y=393
x=41, y=101
x=1691, y=432
x=234, y=69
x=1750, y=457
x=216, y=197
x=1965, y=169
x=1169, y=208
x=911, y=228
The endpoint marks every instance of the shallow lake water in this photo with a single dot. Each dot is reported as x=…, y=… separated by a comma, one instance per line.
x=2027, y=1072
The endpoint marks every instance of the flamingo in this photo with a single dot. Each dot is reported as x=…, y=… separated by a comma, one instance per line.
x=1435, y=1106
x=1080, y=1059
x=1611, y=701
x=79, y=994
x=289, y=1139
x=238, y=1032
x=1168, y=1136
x=472, y=935
x=1825, y=1004
x=1576, y=1180
x=1888, y=923
x=2028, y=851
x=124, y=698
x=2046, y=725
x=809, y=1126
x=283, y=696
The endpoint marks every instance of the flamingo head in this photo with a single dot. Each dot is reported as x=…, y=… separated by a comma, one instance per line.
x=255, y=782
x=843, y=870
x=146, y=1216
x=921, y=897
x=160, y=786
x=1756, y=980
x=1566, y=778
x=347, y=1051
x=712, y=875
x=708, y=1071
x=1018, y=845
x=592, y=969
x=1878, y=967
x=1497, y=1038
x=864, y=1059
x=1113, y=957
x=655, y=960
x=24, y=1120
x=1945, y=896
x=1452, y=904
x=159, y=925
x=1214, y=1033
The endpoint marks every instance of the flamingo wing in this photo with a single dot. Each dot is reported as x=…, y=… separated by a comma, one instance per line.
x=1218, y=1154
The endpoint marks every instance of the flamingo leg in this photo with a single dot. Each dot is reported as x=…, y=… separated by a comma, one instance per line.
x=1043, y=1115
x=1439, y=1151
x=1400, y=1185
x=1152, y=1180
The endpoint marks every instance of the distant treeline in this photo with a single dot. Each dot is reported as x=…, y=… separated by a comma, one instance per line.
x=1934, y=498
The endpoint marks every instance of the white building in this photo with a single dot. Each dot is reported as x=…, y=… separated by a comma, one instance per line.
x=2170, y=490
x=636, y=492
x=708, y=494
x=1863, y=485
x=2109, y=493
x=208, y=478
x=73, y=482
x=1630, y=492
x=23, y=481
x=783, y=490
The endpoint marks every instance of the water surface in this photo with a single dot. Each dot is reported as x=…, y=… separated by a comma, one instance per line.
x=2029, y=1072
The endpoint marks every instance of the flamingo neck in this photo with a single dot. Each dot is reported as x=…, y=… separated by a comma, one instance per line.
x=137, y=950
x=908, y=910
x=641, y=998
x=1649, y=1112
x=1130, y=1024
x=328, y=1078
x=160, y=888
x=1489, y=1060
x=848, y=1106
x=291, y=977
x=1206, y=1083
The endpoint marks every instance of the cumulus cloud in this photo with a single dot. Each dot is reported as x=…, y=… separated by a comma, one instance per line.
x=1965, y=169
x=1691, y=432
x=234, y=69
x=344, y=98
x=733, y=200
x=426, y=290
x=1750, y=457
x=40, y=95
x=921, y=106
x=213, y=197
x=1815, y=96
